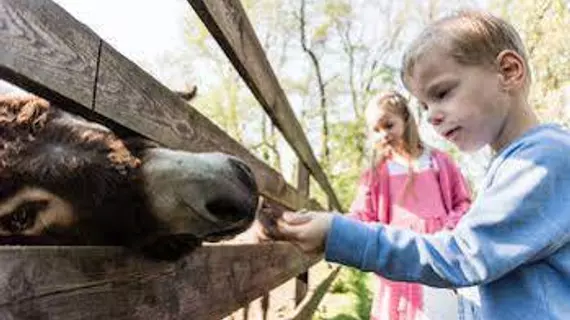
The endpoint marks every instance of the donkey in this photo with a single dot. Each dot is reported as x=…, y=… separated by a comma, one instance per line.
x=66, y=180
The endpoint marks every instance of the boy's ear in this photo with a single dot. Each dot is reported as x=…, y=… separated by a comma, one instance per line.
x=512, y=69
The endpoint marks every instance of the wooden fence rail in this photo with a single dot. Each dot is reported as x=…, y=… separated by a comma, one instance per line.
x=109, y=283
x=228, y=23
x=309, y=305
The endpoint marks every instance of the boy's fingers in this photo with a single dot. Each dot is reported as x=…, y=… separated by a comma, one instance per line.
x=289, y=231
x=295, y=218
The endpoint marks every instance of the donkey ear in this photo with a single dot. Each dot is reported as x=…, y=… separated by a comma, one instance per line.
x=188, y=95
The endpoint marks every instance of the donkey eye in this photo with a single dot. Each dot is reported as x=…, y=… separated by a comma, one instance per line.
x=23, y=217
x=18, y=221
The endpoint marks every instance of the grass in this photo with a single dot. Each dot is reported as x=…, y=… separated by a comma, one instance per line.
x=349, y=297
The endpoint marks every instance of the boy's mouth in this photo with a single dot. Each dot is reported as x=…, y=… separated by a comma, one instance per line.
x=451, y=133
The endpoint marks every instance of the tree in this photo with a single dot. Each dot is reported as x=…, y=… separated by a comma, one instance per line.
x=310, y=51
x=543, y=27
x=223, y=96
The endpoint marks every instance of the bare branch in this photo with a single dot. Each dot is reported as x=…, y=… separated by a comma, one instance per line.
x=321, y=84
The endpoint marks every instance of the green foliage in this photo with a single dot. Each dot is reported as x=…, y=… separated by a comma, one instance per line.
x=339, y=286
x=347, y=148
x=543, y=25
x=351, y=285
x=338, y=9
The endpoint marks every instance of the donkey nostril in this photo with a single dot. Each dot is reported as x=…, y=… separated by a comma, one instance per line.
x=244, y=174
x=228, y=211
x=223, y=210
x=235, y=208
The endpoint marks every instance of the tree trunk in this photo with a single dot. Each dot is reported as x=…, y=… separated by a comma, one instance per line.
x=325, y=155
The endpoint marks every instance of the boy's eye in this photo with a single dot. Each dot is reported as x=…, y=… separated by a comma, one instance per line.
x=444, y=91
x=388, y=125
x=441, y=94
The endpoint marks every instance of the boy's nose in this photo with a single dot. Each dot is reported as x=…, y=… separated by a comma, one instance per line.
x=435, y=118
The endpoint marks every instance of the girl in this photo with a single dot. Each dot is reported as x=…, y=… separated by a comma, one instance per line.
x=408, y=185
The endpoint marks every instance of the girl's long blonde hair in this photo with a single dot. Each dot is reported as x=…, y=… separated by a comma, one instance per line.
x=393, y=102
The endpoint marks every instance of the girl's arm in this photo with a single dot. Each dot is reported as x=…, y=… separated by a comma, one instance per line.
x=460, y=194
x=362, y=207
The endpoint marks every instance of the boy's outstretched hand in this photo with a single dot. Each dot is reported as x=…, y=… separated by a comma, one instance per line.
x=307, y=230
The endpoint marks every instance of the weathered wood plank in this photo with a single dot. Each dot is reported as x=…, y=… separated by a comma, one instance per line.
x=303, y=179
x=228, y=23
x=308, y=306
x=108, y=283
x=303, y=185
x=46, y=51
x=301, y=287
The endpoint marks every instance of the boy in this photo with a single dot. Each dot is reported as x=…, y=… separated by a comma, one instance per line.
x=470, y=72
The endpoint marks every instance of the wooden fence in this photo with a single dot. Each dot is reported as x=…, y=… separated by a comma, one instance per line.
x=46, y=51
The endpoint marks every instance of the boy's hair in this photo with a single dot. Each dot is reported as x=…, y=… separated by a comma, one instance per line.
x=471, y=38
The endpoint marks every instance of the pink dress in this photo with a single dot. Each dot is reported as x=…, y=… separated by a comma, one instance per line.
x=436, y=200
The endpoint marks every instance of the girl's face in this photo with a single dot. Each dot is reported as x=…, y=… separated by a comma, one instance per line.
x=387, y=128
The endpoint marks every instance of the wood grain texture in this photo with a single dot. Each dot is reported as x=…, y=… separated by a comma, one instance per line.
x=228, y=23
x=302, y=280
x=107, y=283
x=44, y=49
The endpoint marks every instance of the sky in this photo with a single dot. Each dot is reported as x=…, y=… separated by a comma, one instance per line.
x=145, y=31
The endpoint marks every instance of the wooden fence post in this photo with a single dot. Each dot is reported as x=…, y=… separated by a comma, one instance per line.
x=302, y=281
